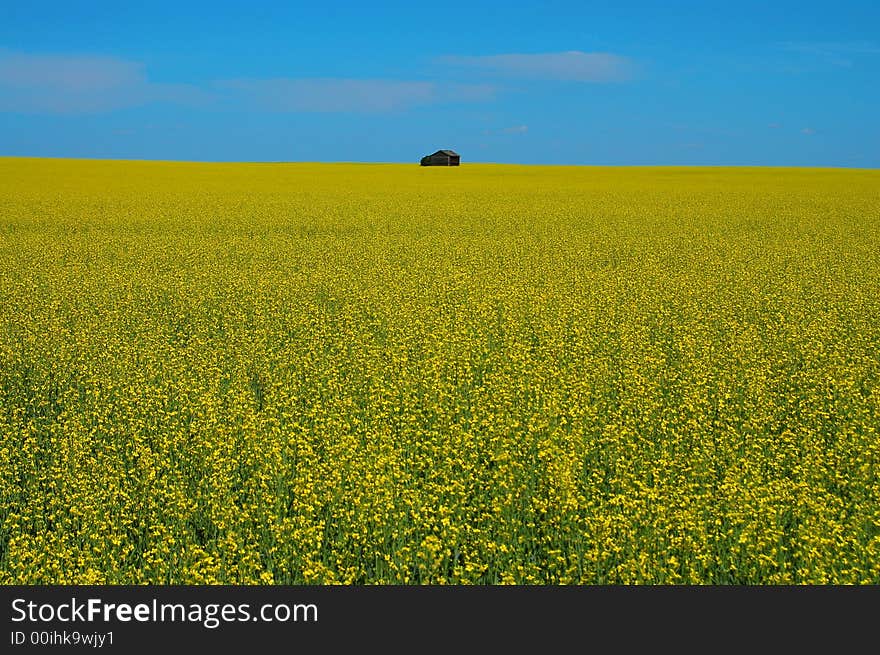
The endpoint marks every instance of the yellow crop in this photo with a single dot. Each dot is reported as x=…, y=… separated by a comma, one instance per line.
x=306, y=373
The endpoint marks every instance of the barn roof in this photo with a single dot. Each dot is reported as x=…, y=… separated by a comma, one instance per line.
x=450, y=153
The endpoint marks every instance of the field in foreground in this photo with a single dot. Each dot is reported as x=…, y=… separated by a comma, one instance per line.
x=303, y=373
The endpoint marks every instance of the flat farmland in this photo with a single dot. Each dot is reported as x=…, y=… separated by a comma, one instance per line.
x=358, y=374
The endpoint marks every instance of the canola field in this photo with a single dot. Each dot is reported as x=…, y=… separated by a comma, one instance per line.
x=358, y=374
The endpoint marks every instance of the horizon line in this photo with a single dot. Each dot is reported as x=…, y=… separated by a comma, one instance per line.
x=415, y=163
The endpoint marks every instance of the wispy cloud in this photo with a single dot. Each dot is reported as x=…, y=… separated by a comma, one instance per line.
x=573, y=65
x=819, y=47
x=348, y=95
x=839, y=54
x=70, y=73
x=809, y=131
x=80, y=84
x=40, y=83
x=328, y=95
x=504, y=131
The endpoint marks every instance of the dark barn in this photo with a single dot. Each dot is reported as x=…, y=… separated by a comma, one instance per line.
x=442, y=158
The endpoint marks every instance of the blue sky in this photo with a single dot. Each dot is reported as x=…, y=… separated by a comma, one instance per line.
x=745, y=83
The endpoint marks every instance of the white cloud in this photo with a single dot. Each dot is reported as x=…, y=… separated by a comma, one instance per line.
x=809, y=131
x=839, y=54
x=349, y=95
x=465, y=92
x=80, y=84
x=69, y=73
x=572, y=65
x=40, y=83
x=517, y=129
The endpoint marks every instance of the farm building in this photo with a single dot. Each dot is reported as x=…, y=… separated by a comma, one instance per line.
x=442, y=158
